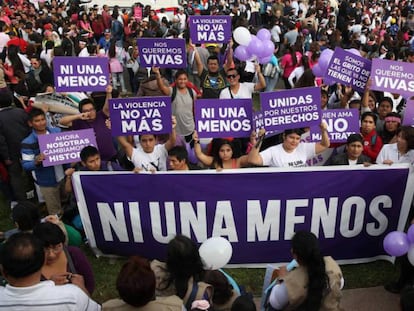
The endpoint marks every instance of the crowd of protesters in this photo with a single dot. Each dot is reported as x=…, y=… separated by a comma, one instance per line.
x=32, y=33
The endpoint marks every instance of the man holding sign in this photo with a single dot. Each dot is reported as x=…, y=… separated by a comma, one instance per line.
x=290, y=153
x=148, y=155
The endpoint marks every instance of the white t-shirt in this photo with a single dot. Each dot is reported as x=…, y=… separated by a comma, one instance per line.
x=246, y=90
x=390, y=152
x=156, y=160
x=46, y=296
x=276, y=156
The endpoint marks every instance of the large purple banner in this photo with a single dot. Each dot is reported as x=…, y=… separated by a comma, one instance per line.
x=143, y=115
x=349, y=69
x=392, y=76
x=258, y=211
x=341, y=124
x=65, y=147
x=288, y=109
x=81, y=74
x=163, y=53
x=210, y=28
x=223, y=118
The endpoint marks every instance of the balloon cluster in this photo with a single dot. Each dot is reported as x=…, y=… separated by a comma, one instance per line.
x=251, y=47
x=398, y=243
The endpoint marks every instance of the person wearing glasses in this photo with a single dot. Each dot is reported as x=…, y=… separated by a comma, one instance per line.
x=98, y=121
x=237, y=89
x=63, y=264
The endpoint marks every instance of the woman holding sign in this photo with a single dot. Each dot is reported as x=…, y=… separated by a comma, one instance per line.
x=290, y=153
x=223, y=155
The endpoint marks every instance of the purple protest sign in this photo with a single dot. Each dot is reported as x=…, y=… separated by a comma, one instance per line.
x=290, y=109
x=143, y=115
x=408, y=118
x=223, y=117
x=65, y=147
x=341, y=124
x=210, y=28
x=81, y=74
x=349, y=218
x=392, y=76
x=163, y=53
x=349, y=69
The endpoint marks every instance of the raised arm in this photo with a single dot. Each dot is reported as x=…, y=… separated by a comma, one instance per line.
x=365, y=97
x=261, y=84
x=164, y=89
x=244, y=159
x=324, y=143
x=173, y=136
x=128, y=148
x=67, y=120
x=254, y=156
x=105, y=108
x=197, y=59
x=229, y=57
x=205, y=159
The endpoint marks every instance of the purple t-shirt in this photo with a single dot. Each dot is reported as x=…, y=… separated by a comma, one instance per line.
x=103, y=135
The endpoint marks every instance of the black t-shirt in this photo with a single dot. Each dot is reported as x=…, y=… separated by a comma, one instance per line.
x=212, y=84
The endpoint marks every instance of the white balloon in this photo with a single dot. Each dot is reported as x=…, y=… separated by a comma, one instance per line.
x=215, y=253
x=410, y=254
x=242, y=36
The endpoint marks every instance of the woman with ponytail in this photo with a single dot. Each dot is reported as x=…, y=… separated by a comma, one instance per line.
x=314, y=285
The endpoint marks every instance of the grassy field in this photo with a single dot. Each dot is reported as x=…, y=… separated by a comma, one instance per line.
x=106, y=270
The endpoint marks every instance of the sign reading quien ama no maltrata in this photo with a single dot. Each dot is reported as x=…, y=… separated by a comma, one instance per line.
x=210, y=28
x=65, y=147
x=163, y=53
x=81, y=74
x=144, y=115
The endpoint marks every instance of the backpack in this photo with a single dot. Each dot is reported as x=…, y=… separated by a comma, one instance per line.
x=174, y=93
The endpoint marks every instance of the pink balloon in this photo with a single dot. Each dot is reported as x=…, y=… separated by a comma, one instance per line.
x=255, y=46
x=241, y=53
x=324, y=59
x=268, y=49
x=396, y=243
x=410, y=234
x=263, y=34
x=317, y=71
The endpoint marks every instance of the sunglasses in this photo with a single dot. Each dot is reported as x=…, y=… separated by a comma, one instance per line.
x=231, y=76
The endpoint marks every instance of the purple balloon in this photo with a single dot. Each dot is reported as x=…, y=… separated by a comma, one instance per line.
x=255, y=46
x=265, y=59
x=410, y=234
x=396, y=243
x=268, y=49
x=241, y=53
x=317, y=70
x=324, y=59
x=263, y=34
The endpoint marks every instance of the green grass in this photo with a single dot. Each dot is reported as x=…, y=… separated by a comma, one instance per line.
x=106, y=270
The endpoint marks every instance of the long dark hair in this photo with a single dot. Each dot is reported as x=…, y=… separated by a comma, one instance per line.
x=216, y=152
x=183, y=262
x=306, y=247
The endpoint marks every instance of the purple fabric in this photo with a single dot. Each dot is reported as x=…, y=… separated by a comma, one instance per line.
x=392, y=76
x=213, y=29
x=144, y=115
x=83, y=267
x=258, y=211
x=409, y=113
x=103, y=135
x=223, y=118
x=65, y=147
x=348, y=69
x=81, y=74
